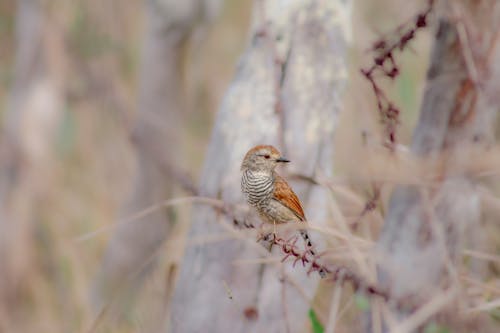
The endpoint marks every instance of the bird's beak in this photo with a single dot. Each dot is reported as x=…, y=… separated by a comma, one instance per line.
x=282, y=160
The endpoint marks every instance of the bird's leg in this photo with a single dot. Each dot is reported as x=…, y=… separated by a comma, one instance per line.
x=271, y=237
x=270, y=247
x=263, y=233
x=265, y=237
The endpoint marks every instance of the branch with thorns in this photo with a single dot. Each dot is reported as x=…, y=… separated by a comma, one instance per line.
x=289, y=247
x=308, y=257
x=370, y=206
x=329, y=271
x=384, y=63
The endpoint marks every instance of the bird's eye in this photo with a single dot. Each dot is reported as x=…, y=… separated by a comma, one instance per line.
x=267, y=157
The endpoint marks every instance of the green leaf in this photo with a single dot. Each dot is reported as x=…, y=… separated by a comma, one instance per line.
x=407, y=89
x=361, y=302
x=435, y=328
x=495, y=314
x=66, y=136
x=316, y=325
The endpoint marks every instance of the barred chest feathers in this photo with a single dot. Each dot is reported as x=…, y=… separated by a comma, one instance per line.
x=257, y=186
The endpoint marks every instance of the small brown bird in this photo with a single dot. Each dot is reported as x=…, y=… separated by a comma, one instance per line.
x=267, y=191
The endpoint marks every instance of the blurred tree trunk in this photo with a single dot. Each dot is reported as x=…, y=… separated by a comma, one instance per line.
x=421, y=242
x=286, y=92
x=156, y=134
x=26, y=155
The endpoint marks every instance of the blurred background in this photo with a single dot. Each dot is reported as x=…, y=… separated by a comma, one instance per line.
x=78, y=85
x=69, y=74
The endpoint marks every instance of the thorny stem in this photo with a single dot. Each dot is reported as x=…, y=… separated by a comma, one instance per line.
x=330, y=271
x=288, y=247
x=370, y=206
x=384, y=63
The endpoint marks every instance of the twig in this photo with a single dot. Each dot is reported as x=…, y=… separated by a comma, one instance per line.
x=465, y=45
x=384, y=63
x=284, y=302
x=486, y=306
x=288, y=247
x=334, y=306
x=218, y=204
x=427, y=311
x=370, y=206
x=314, y=264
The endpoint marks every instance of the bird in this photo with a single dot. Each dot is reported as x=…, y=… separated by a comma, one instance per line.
x=266, y=191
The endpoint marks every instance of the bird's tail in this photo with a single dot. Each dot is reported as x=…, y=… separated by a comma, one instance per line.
x=307, y=240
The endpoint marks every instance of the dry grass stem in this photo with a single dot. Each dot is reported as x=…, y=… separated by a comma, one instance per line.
x=426, y=311
x=334, y=306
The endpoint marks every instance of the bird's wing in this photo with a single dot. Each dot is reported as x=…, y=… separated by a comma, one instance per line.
x=285, y=195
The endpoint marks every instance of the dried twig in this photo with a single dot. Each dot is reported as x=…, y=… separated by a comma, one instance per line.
x=284, y=302
x=331, y=271
x=370, y=206
x=288, y=247
x=334, y=307
x=384, y=63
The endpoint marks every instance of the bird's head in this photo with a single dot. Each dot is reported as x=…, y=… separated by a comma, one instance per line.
x=262, y=158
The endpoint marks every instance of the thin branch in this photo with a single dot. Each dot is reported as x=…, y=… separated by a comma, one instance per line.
x=218, y=204
x=465, y=45
x=284, y=303
x=427, y=311
x=384, y=63
x=289, y=248
x=370, y=206
x=334, y=306
x=330, y=271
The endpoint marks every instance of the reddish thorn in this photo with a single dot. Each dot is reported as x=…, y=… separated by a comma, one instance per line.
x=379, y=45
x=421, y=21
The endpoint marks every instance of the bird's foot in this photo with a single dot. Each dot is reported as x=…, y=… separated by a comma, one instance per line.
x=267, y=240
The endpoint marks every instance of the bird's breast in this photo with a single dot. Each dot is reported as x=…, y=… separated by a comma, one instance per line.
x=257, y=187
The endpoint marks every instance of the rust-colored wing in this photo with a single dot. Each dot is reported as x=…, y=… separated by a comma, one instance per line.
x=284, y=194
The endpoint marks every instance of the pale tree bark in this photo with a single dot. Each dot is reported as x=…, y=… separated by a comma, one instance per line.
x=26, y=156
x=286, y=92
x=419, y=249
x=133, y=246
